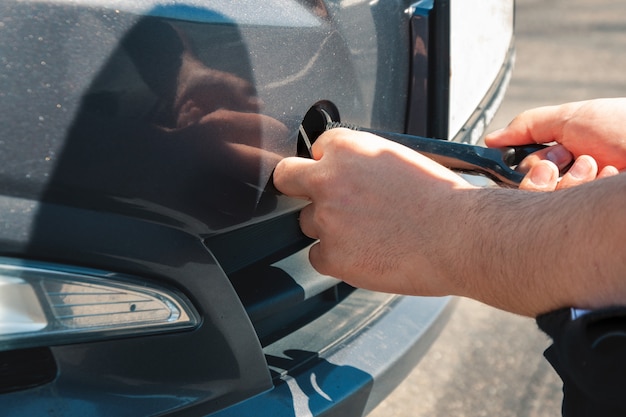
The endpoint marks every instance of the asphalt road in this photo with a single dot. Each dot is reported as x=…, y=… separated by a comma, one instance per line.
x=486, y=362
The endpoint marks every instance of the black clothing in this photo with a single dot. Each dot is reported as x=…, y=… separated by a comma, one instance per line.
x=589, y=354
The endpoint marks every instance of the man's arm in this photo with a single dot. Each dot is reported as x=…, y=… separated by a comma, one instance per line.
x=531, y=253
x=389, y=219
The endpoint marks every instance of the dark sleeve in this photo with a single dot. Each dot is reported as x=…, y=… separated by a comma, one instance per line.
x=589, y=354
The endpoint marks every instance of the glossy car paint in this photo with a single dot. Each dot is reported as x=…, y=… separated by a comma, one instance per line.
x=96, y=91
x=137, y=137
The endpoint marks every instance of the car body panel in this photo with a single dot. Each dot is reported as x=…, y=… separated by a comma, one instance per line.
x=477, y=52
x=90, y=108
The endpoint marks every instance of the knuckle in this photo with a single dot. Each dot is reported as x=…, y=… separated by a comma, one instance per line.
x=280, y=172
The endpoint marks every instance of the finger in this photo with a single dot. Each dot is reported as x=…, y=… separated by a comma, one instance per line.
x=539, y=125
x=307, y=222
x=543, y=176
x=319, y=262
x=290, y=177
x=315, y=256
x=557, y=154
x=584, y=169
x=329, y=138
x=608, y=171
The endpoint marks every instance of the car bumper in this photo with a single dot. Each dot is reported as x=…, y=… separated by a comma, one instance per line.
x=353, y=376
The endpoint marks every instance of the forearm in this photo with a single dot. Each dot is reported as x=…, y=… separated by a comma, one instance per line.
x=530, y=253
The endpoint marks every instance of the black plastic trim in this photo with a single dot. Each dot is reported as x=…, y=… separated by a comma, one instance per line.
x=26, y=368
x=429, y=95
x=241, y=248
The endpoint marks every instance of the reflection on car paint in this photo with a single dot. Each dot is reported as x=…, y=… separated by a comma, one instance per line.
x=174, y=137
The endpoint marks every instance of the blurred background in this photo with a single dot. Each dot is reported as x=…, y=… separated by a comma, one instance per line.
x=487, y=362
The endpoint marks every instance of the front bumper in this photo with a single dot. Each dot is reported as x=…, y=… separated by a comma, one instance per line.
x=354, y=375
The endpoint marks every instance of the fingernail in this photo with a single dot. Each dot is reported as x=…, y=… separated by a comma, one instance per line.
x=608, y=171
x=559, y=155
x=541, y=175
x=581, y=168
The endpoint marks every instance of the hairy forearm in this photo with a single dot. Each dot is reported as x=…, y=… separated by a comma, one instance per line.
x=530, y=253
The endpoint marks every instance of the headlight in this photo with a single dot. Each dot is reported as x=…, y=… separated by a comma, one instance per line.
x=42, y=304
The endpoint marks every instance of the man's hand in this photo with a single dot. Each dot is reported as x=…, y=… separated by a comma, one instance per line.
x=390, y=219
x=374, y=208
x=588, y=132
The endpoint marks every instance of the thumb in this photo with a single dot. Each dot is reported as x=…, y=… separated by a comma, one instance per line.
x=543, y=176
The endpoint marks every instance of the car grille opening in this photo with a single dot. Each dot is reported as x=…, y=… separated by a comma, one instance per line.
x=268, y=267
x=282, y=306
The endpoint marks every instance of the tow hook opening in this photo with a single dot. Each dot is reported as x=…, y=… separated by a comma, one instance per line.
x=314, y=124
